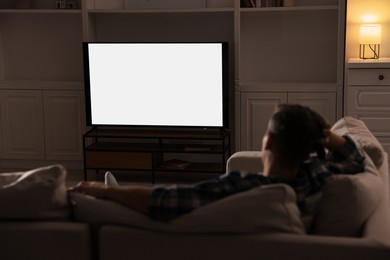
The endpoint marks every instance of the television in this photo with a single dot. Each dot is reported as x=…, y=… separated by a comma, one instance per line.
x=153, y=84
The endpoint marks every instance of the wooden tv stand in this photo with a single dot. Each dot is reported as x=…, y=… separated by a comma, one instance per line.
x=148, y=150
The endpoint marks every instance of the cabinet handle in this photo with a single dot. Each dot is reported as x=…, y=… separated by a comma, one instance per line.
x=381, y=77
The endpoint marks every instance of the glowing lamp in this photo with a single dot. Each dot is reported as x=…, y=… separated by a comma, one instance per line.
x=370, y=39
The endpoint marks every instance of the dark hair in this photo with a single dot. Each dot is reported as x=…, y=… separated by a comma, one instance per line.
x=296, y=130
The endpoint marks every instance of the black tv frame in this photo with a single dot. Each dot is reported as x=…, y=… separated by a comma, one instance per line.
x=225, y=89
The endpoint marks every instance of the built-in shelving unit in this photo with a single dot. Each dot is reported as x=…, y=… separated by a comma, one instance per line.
x=287, y=54
x=277, y=54
x=41, y=86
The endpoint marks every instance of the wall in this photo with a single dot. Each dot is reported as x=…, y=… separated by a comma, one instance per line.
x=367, y=11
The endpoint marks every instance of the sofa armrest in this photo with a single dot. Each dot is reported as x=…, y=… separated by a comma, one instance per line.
x=381, y=232
x=249, y=161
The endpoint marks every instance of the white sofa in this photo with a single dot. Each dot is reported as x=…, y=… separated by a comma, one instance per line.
x=233, y=228
x=226, y=230
x=35, y=218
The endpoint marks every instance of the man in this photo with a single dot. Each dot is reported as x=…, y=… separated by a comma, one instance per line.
x=294, y=133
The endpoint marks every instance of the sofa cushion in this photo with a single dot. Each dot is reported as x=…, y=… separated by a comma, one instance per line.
x=269, y=208
x=36, y=194
x=348, y=200
x=358, y=130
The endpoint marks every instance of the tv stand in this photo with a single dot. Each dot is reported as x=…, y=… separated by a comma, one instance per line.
x=155, y=151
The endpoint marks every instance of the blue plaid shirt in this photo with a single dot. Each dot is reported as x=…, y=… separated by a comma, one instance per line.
x=167, y=202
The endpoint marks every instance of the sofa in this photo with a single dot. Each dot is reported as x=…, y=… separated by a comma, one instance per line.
x=352, y=219
x=35, y=217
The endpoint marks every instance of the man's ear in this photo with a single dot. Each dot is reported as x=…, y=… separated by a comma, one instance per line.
x=267, y=141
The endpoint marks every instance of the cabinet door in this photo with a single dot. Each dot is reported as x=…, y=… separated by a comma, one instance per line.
x=256, y=109
x=323, y=103
x=1, y=137
x=368, y=98
x=371, y=105
x=22, y=124
x=368, y=95
x=64, y=124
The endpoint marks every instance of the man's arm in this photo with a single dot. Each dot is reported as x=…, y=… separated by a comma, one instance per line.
x=167, y=202
x=133, y=196
x=345, y=156
x=334, y=142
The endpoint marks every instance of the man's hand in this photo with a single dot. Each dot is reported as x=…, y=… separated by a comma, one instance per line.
x=332, y=141
x=96, y=189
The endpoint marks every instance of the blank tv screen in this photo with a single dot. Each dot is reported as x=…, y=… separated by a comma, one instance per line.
x=155, y=84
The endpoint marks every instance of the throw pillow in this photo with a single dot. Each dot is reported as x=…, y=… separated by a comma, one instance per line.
x=347, y=202
x=270, y=208
x=36, y=194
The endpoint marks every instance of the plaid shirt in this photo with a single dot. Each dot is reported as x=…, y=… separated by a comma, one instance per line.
x=167, y=202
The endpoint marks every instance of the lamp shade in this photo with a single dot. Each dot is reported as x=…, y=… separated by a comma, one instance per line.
x=370, y=34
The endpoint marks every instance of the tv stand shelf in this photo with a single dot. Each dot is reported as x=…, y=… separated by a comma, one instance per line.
x=154, y=151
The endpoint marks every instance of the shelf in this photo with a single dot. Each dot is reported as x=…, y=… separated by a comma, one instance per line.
x=376, y=63
x=295, y=8
x=166, y=134
x=42, y=85
x=250, y=86
x=212, y=10
x=167, y=147
x=198, y=167
x=160, y=10
x=40, y=11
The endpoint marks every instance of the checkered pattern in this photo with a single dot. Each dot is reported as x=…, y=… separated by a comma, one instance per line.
x=172, y=201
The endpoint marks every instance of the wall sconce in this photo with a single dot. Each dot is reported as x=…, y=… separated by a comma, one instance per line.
x=370, y=38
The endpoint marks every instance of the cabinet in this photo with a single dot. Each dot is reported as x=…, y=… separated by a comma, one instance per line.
x=27, y=133
x=153, y=151
x=257, y=108
x=41, y=88
x=368, y=95
x=287, y=54
x=22, y=124
x=64, y=122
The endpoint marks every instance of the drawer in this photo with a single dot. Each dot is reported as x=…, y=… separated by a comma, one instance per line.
x=378, y=123
x=374, y=98
x=385, y=142
x=118, y=160
x=369, y=77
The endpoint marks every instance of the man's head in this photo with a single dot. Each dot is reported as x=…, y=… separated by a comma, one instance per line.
x=293, y=133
